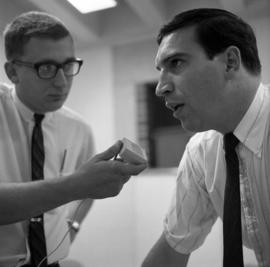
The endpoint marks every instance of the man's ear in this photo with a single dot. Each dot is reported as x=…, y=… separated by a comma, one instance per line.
x=232, y=57
x=11, y=72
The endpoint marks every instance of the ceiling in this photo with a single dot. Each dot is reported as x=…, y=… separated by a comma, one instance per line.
x=130, y=21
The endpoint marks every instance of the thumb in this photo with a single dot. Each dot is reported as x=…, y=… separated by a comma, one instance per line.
x=110, y=152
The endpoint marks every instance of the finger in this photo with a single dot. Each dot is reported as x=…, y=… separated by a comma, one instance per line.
x=110, y=152
x=131, y=169
x=119, y=159
x=138, y=168
x=126, y=178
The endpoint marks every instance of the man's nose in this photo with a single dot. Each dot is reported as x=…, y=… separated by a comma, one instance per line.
x=164, y=85
x=60, y=79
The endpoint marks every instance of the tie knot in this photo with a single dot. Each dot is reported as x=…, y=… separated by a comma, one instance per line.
x=38, y=118
x=230, y=141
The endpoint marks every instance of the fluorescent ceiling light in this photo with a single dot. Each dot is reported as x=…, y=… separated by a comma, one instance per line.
x=86, y=6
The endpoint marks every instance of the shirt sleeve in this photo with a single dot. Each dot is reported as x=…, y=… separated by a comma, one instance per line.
x=191, y=214
x=85, y=147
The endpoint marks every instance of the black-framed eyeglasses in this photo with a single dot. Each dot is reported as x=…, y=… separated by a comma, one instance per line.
x=49, y=69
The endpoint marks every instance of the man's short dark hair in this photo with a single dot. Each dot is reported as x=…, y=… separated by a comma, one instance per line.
x=217, y=29
x=28, y=25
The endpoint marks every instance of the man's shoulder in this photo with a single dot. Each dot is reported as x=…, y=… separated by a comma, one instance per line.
x=203, y=148
x=71, y=118
x=5, y=90
x=205, y=141
x=69, y=114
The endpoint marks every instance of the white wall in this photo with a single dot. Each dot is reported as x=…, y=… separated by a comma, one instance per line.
x=133, y=65
x=261, y=27
x=92, y=94
x=3, y=77
x=118, y=231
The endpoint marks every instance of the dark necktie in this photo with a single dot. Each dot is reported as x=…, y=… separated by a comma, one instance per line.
x=36, y=237
x=232, y=231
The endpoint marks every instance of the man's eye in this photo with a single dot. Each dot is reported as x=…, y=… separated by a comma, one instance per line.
x=175, y=63
x=47, y=67
x=69, y=66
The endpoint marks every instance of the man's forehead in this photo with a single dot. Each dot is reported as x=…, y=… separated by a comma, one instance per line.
x=180, y=42
x=163, y=48
x=40, y=48
x=169, y=46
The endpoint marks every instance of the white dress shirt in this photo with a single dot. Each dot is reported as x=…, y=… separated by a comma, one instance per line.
x=199, y=194
x=68, y=143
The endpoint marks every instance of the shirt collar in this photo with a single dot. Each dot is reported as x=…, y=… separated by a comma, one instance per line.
x=26, y=113
x=250, y=130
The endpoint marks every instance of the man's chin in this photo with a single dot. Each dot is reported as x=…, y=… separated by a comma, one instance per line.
x=54, y=107
x=188, y=127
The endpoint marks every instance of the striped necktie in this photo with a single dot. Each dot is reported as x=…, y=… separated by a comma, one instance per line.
x=232, y=231
x=36, y=238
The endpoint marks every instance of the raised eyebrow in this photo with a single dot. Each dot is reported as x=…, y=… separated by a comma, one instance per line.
x=52, y=61
x=165, y=60
x=70, y=59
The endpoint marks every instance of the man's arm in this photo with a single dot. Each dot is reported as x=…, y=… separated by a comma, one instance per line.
x=163, y=255
x=98, y=178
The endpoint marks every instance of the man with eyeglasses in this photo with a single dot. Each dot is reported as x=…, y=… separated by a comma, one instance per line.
x=34, y=128
x=48, y=69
